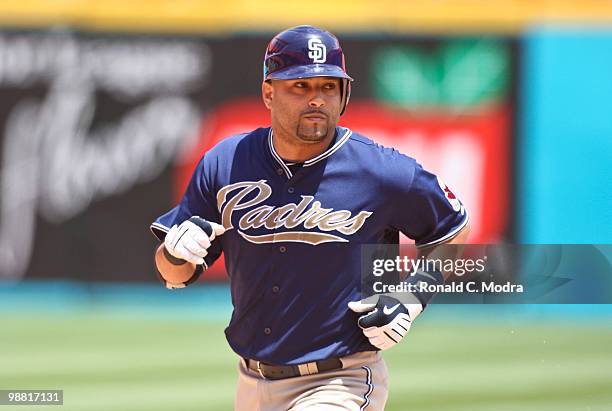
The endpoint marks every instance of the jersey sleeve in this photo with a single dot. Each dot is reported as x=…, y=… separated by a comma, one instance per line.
x=428, y=211
x=198, y=200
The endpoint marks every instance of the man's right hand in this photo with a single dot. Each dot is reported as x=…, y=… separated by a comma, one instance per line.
x=190, y=240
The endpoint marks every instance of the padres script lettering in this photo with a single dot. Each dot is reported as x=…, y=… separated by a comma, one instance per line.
x=308, y=213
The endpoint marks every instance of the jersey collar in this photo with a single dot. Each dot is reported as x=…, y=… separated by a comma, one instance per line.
x=345, y=134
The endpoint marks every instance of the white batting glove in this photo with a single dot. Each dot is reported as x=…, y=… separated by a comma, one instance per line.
x=387, y=320
x=190, y=240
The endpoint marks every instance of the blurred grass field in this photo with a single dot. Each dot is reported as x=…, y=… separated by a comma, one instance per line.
x=107, y=362
x=112, y=361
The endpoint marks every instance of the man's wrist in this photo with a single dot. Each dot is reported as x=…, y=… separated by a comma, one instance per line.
x=432, y=279
x=175, y=276
x=414, y=310
x=172, y=259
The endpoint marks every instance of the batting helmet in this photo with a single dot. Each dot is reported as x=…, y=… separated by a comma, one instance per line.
x=304, y=52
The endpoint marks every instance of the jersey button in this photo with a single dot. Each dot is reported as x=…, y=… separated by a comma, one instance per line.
x=282, y=248
x=275, y=289
x=290, y=190
x=267, y=331
x=279, y=172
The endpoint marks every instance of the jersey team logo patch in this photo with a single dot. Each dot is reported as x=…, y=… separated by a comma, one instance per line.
x=450, y=196
x=317, y=50
x=307, y=214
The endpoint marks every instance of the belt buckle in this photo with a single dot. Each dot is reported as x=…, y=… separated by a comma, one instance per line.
x=259, y=370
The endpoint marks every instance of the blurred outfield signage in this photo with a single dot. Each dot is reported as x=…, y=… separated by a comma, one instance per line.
x=457, y=75
x=89, y=125
x=99, y=134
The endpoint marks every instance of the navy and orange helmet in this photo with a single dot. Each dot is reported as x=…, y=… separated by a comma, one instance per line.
x=305, y=52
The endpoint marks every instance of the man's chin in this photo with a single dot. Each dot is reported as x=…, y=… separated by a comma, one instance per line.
x=312, y=134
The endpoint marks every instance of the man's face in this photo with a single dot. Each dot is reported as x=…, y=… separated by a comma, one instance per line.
x=307, y=108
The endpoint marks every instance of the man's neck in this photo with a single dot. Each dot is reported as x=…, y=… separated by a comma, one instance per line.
x=294, y=150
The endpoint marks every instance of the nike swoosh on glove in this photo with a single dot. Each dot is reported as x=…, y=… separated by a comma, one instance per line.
x=387, y=321
x=191, y=239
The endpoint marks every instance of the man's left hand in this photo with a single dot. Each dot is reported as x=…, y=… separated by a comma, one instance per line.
x=387, y=320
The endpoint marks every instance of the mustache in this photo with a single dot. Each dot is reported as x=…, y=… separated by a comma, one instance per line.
x=315, y=111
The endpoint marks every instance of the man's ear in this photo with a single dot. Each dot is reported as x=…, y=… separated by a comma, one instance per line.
x=267, y=92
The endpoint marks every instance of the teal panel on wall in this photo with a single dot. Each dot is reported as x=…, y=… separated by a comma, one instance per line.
x=565, y=137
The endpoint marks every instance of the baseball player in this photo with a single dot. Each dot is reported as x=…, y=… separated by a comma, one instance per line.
x=290, y=207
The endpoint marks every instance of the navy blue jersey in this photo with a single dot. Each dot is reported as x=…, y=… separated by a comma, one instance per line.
x=292, y=245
